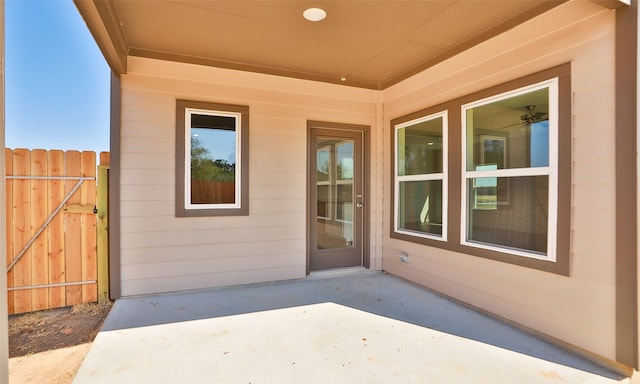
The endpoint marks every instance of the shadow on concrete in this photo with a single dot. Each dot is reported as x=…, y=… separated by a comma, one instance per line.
x=373, y=292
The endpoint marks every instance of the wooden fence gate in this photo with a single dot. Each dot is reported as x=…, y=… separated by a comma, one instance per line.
x=56, y=207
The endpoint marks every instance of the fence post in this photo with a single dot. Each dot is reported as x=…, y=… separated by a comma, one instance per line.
x=102, y=230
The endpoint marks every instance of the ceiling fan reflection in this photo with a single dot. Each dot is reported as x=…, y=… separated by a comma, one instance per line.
x=530, y=117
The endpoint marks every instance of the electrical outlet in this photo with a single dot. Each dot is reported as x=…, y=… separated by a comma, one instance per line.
x=404, y=257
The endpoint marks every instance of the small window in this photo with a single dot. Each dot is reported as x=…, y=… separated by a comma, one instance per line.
x=420, y=171
x=510, y=172
x=212, y=159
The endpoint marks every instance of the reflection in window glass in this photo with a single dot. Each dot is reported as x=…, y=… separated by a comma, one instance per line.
x=512, y=132
x=323, y=177
x=213, y=147
x=540, y=144
x=508, y=171
x=522, y=226
x=323, y=165
x=324, y=200
x=420, y=176
x=420, y=148
x=335, y=193
x=344, y=202
x=421, y=206
x=344, y=159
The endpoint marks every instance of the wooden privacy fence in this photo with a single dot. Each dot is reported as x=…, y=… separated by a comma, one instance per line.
x=213, y=192
x=57, y=251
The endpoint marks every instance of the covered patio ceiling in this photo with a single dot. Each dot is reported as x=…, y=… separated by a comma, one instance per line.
x=369, y=44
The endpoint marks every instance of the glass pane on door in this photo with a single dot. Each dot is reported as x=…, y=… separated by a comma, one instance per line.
x=335, y=194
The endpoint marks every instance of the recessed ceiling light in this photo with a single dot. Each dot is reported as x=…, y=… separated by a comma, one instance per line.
x=314, y=14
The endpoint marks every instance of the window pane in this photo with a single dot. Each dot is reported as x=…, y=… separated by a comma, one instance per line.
x=335, y=193
x=344, y=202
x=324, y=200
x=344, y=159
x=420, y=206
x=213, y=159
x=540, y=144
x=509, y=133
x=420, y=148
x=513, y=213
x=323, y=165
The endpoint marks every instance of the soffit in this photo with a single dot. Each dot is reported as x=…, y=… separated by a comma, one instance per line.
x=371, y=44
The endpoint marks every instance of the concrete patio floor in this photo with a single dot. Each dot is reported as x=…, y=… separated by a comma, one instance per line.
x=353, y=326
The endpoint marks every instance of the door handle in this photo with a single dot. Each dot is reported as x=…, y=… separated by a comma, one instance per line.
x=358, y=205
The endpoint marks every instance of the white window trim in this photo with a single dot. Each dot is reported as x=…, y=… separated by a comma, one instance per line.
x=426, y=177
x=187, y=159
x=551, y=171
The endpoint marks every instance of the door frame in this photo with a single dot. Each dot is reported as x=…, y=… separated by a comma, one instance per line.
x=366, y=166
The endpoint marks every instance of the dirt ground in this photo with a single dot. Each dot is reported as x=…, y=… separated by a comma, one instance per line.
x=49, y=346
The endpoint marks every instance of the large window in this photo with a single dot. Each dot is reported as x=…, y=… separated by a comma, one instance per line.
x=509, y=177
x=493, y=170
x=212, y=159
x=419, y=173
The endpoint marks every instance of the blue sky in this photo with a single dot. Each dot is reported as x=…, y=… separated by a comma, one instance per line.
x=57, y=82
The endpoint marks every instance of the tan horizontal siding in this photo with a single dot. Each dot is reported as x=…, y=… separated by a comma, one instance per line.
x=598, y=267
x=568, y=331
x=271, y=177
x=537, y=299
x=230, y=263
x=153, y=145
x=160, y=114
x=142, y=207
x=158, y=223
x=206, y=280
x=297, y=204
x=592, y=123
x=172, y=237
x=160, y=252
x=153, y=192
x=140, y=176
x=593, y=172
x=286, y=165
x=150, y=160
x=596, y=99
x=144, y=129
x=601, y=221
x=477, y=272
x=599, y=148
x=579, y=309
x=277, y=102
